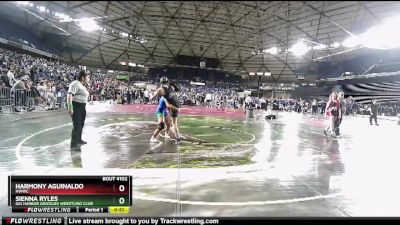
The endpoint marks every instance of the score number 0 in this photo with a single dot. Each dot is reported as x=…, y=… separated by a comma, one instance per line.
x=121, y=188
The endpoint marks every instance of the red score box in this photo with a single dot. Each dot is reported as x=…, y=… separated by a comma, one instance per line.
x=105, y=188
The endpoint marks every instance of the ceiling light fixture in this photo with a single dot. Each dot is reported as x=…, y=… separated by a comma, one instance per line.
x=64, y=18
x=42, y=8
x=88, y=24
x=273, y=50
x=299, y=49
x=336, y=45
x=320, y=47
x=352, y=41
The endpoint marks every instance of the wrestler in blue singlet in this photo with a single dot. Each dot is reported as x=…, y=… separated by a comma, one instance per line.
x=162, y=108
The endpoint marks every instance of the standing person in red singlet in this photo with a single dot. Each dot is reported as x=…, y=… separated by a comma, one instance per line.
x=332, y=112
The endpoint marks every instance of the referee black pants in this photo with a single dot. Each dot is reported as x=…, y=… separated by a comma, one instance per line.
x=373, y=116
x=78, y=121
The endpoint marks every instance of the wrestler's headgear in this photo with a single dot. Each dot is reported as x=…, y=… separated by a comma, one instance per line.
x=163, y=80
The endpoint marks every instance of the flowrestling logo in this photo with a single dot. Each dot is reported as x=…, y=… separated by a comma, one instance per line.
x=36, y=220
x=112, y=221
x=47, y=210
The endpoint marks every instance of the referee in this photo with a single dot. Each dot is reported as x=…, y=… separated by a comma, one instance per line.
x=76, y=102
x=373, y=112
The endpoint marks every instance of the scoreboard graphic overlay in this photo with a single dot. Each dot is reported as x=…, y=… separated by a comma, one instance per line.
x=70, y=194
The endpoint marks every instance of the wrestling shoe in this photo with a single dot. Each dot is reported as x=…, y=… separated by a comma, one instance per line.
x=154, y=140
x=334, y=137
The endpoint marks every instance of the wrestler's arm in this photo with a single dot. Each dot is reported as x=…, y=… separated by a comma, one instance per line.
x=159, y=92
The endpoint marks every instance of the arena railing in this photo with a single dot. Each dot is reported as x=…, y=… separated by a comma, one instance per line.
x=21, y=99
x=24, y=100
x=61, y=100
x=5, y=98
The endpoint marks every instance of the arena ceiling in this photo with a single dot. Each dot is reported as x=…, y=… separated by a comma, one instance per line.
x=230, y=32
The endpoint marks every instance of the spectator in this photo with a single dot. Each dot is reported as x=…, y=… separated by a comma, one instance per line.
x=19, y=90
x=5, y=80
x=11, y=78
x=374, y=112
x=314, y=107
